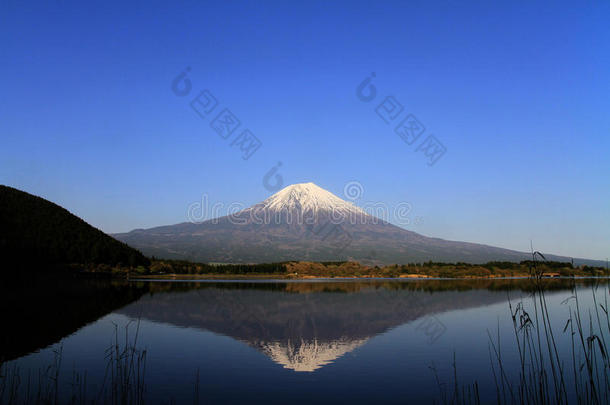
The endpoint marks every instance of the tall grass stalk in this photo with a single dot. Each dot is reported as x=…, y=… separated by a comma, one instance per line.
x=123, y=383
x=545, y=374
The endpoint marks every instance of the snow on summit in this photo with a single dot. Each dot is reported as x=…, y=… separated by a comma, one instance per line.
x=308, y=197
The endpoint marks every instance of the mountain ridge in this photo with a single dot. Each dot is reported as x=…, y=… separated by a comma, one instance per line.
x=304, y=222
x=37, y=232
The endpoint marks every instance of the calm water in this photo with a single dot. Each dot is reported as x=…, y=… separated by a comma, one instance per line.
x=278, y=341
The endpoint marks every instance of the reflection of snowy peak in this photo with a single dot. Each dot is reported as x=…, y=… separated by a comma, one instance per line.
x=302, y=326
x=308, y=197
x=308, y=355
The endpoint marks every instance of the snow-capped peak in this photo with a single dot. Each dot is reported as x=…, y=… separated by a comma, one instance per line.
x=308, y=197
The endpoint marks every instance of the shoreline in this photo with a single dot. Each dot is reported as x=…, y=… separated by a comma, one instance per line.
x=291, y=277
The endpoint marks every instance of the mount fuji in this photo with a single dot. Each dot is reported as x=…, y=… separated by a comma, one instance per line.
x=304, y=222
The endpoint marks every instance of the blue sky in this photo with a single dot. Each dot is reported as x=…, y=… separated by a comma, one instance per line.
x=518, y=94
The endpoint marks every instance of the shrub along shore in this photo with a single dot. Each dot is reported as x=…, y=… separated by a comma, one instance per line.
x=168, y=269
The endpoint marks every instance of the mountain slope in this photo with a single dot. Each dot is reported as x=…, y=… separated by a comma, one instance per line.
x=37, y=231
x=306, y=222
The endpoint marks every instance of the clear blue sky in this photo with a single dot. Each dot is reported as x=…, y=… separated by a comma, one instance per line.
x=519, y=94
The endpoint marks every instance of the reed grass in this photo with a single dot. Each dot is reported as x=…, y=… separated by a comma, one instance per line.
x=123, y=383
x=544, y=374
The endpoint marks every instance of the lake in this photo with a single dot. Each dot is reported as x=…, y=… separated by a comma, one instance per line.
x=275, y=341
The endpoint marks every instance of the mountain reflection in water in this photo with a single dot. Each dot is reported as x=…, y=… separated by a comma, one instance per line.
x=41, y=310
x=304, y=326
x=354, y=341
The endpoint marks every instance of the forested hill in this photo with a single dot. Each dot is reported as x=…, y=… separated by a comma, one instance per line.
x=36, y=231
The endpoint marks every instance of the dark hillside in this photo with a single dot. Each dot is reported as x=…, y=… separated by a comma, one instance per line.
x=35, y=231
